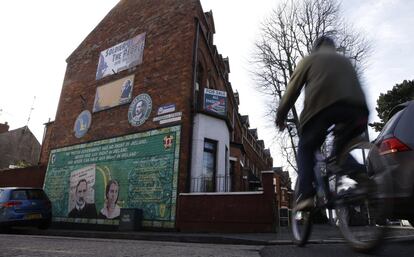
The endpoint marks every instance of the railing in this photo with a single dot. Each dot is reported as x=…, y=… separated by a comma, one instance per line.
x=221, y=183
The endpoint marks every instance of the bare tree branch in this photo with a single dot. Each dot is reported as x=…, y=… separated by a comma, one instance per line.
x=287, y=36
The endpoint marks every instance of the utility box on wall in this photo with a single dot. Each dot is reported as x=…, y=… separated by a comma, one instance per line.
x=130, y=219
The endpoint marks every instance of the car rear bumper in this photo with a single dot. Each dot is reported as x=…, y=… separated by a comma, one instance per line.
x=400, y=169
x=9, y=218
x=12, y=223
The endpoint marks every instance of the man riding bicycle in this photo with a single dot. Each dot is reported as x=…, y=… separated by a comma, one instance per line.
x=333, y=95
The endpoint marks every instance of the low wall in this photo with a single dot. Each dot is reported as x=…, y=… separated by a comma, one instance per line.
x=229, y=212
x=23, y=177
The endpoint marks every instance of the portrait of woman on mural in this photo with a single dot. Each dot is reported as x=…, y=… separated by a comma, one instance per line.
x=111, y=209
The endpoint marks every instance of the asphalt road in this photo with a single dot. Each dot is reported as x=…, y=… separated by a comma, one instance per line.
x=48, y=246
x=390, y=249
x=36, y=246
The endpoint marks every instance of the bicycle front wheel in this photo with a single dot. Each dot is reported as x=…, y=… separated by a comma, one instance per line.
x=360, y=203
x=301, y=223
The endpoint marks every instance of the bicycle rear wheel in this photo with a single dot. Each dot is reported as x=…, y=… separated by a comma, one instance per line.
x=360, y=203
x=301, y=222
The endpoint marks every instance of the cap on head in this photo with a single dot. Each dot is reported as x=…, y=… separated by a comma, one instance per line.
x=322, y=41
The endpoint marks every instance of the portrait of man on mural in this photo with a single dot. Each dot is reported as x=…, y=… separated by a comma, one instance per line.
x=82, y=208
x=140, y=110
x=126, y=91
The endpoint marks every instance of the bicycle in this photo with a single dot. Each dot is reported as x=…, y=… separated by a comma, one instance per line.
x=348, y=184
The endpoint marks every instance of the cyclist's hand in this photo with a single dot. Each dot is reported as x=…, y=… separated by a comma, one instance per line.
x=281, y=124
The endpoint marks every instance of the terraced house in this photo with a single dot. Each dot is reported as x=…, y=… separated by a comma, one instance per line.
x=147, y=105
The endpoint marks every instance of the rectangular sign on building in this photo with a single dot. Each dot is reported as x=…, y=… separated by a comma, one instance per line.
x=90, y=183
x=113, y=94
x=121, y=57
x=215, y=101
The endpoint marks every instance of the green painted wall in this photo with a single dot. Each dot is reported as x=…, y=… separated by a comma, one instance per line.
x=144, y=164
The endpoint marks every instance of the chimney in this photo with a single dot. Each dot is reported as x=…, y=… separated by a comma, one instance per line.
x=4, y=127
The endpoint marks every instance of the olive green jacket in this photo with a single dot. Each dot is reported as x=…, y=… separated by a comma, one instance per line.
x=328, y=78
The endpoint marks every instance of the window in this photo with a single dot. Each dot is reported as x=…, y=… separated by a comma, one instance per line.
x=209, y=166
x=1, y=194
x=390, y=124
x=233, y=125
x=36, y=194
x=232, y=174
x=198, y=85
x=18, y=195
x=200, y=75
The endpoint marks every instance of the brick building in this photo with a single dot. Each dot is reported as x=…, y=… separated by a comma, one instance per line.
x=18, y=147
x=284, y=194
x=146, y=101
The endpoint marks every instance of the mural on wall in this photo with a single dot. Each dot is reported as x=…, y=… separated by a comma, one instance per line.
x=113, y=94
x=121, y=57
x=90, y=183
x=82, y=123
x=215, y=101
x=139, y=110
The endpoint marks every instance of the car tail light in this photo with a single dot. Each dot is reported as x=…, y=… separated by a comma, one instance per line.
x=392, y=145
x=10, y=204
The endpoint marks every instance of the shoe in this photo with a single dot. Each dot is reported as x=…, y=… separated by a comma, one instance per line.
x=305, y=204
x=357, y=185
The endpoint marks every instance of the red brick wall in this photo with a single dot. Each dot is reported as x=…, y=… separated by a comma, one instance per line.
x=45, y=148
x=25, y=177
x=227, y=212
x=165, y=74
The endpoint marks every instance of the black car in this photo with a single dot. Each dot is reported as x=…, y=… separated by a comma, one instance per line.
x=396, y=144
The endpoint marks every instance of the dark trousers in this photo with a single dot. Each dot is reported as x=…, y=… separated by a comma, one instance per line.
x=349, y=121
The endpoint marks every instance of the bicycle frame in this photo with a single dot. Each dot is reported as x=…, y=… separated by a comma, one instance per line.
x=322, y=178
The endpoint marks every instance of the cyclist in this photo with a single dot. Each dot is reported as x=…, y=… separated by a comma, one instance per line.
x=333, y=95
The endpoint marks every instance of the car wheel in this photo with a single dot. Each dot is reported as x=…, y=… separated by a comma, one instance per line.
x=45, y=224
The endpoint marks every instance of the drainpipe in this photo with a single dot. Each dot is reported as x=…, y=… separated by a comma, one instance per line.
x=193, y=101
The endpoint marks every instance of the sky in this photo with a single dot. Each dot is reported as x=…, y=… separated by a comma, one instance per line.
x=38, y=36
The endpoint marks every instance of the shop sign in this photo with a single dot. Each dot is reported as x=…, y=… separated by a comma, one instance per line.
x=82, y=123
x=139, y=110
x=121, y=57
x=215, y=101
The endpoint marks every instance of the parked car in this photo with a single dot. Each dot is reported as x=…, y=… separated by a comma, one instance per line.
x=394, y=222
x=24, y=206
x=396, y=145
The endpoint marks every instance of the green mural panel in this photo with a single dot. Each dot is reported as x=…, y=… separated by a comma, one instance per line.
x=144, y=167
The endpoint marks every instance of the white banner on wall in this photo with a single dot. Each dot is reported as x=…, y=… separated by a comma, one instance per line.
x=120, y=57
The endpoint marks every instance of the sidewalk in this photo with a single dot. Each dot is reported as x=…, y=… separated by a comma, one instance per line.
x=321, y=234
